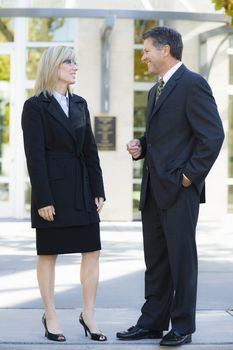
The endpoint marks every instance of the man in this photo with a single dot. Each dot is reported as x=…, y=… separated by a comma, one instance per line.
x=183, y=138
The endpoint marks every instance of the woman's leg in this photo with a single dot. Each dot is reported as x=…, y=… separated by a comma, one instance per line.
x=89, y=277
x=46, y=281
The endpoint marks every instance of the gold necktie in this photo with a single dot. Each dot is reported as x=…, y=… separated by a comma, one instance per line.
x=159, y=89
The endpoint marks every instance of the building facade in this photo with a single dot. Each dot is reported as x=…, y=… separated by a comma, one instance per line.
x=111, y=51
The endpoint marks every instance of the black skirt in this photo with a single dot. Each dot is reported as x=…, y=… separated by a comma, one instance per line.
x=65, y=240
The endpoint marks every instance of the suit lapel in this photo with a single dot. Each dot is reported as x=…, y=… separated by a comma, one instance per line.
x=168, y=88
x=165, y=92
x=151, y=99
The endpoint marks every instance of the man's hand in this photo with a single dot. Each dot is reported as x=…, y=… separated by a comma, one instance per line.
x=134, y=148
x=47, y=213
x=186, y=182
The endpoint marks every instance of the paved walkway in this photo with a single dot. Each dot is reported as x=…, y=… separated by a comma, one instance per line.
x=120, y=294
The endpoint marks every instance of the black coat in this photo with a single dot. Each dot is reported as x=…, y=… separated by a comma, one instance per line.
x=62, y=160
x=184, y=135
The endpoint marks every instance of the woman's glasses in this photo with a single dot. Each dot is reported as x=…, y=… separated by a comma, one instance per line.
x=70, y=62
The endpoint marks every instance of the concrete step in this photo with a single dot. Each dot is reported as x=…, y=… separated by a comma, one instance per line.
x=138, y=346
x=22, y=329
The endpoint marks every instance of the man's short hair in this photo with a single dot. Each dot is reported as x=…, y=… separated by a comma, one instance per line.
x=166, y=36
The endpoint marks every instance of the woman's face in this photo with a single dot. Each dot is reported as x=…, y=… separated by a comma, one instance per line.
x=67, y=71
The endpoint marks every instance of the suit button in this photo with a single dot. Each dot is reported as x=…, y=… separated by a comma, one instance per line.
x=147, y=168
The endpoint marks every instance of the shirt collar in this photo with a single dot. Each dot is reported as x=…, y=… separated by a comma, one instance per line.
x=60, y=97
x=171, y=71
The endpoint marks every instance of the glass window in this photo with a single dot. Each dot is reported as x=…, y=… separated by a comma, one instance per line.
x=33, y=57
x=231, y=69
x=230, y=199
x=29, y=93
x=137, y=169
x=6, y=30
x=51, y=29
x=27, y=196
x=4, y=137
x=136, y=198
x=230, y=152
x=140, y=68
x=4, y=192
x=231, y=41
x=141, y=26
x=140, y=102
x=4, y=115
x=230, y=137
x=4, y=68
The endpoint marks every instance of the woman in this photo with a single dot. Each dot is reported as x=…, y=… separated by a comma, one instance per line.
x=67, y=184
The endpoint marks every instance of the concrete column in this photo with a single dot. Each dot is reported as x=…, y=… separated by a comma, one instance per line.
x=116, y=165
x=216, y=184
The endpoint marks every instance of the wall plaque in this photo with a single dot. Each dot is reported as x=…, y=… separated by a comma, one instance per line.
x=105, y=133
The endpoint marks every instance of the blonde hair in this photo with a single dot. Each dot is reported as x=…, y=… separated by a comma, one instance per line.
x=47, y=71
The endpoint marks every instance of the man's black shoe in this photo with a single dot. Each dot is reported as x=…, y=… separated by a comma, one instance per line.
x=173, y=338
x=135, y=333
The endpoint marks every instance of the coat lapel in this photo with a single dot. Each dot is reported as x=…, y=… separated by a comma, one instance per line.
x=76, y=111
x=151, y=99
x=55, y=110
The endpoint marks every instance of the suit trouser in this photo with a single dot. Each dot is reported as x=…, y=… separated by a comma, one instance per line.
x=171, y=263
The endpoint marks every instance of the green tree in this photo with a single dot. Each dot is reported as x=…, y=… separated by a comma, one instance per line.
x=227, y=5
x=6, y=31
x=43, y=29
x=4, y=68
x=40, y=29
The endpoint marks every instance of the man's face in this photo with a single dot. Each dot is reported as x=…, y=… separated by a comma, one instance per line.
x=153, y=57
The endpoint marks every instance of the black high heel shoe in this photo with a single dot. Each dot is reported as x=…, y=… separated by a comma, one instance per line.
x=52, y=336
x=94, y=336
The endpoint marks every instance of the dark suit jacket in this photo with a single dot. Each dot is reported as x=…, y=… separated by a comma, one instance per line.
x=184, y=134
x=62, y=161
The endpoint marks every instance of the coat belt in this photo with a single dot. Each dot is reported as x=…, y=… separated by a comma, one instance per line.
x=86, y=190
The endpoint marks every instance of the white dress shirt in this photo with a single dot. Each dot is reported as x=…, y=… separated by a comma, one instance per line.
x=171, y=71
x=63, y=101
